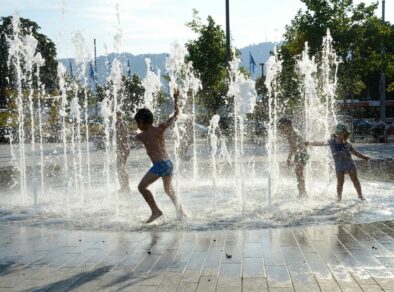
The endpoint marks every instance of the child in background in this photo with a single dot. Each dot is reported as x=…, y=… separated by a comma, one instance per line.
x=122, y=136
x=296, y=148
x=342, y=153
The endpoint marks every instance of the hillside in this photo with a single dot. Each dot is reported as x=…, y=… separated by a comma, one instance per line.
x=260, y=54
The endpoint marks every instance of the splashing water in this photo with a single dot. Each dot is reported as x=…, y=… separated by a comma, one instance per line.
x=152, y=85
x=81, y=60
x=223, y=167
x=274, y=68
x=318, y=88
x=14, y=57
x=213, y=127
x=244, y=95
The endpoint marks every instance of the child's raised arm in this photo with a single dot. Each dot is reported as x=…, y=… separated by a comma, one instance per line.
x=171, y=120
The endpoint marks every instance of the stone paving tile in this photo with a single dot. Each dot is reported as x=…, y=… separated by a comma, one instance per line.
x=255, y=284
x=314, y=258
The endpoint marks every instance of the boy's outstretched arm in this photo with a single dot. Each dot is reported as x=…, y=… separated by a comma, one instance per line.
x=316, y=143
x=135, y=137
x=172, y=119
x=359, y=155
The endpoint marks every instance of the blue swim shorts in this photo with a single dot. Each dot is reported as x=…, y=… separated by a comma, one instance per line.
x=162, y=168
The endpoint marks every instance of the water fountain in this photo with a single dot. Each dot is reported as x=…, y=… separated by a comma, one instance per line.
x=15, y=57
x=82, y=59
x=193, y=84
x=242, y=91
x=85, y=194
x=274, y=67
x=152, y=86
x=318, y=89
x=213, y=139
x=23, y=58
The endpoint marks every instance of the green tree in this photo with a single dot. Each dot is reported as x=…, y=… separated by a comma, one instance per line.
x=132, y=94
x=45, y=46
x=358, y=37
x=208, y=55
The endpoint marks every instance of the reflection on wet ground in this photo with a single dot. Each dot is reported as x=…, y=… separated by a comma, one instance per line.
x=353, y=257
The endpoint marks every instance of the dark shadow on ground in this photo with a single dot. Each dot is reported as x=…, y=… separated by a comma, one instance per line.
x=73, y=282
x=5, y=266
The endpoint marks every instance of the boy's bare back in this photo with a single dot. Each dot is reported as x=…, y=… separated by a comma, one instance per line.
x=153, y=137
x=154, y=142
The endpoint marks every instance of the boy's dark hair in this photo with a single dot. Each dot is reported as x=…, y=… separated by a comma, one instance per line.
x=285, y=122
x=144, y=115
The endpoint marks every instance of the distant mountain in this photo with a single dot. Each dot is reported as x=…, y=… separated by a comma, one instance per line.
x=260, y=53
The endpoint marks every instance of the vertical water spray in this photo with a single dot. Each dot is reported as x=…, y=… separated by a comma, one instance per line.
x=175, y=65
x=28, y=52
x=105, y=110
x=115, y=79
x=41, y=93
x=274, y=68
x=244, y=95
x=307, y=70
x=115, y=106
x=82, y=58
x=61, y=71
x=193, y=83
x=213, y=126
x=75, y=113
x=329, y=70
x=318, y=88
x=327, y=88
x=152, y=86
x=14, y=58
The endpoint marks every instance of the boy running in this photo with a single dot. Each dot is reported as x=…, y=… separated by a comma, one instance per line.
x=153, y=139
x=296, y=148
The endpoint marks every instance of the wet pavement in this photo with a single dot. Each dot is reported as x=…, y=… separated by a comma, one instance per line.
x=314, y=258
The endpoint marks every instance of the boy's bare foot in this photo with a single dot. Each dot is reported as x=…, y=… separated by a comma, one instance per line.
x=361, y=198
x=182, y=214
x=339, y=200
x=154, y=216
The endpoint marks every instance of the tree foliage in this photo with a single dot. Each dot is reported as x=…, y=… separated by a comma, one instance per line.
x=45, y=46
x=131, y=94
x=359, y=37
x=208, y=54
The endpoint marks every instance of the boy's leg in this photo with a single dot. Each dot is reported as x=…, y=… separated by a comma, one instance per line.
x=299, y=170
x=169, y=189
x=340, y=181
x=146, y=181
x=356, y=183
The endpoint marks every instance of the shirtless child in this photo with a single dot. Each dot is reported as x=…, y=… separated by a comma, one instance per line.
x=153, y=139
x=296, y=148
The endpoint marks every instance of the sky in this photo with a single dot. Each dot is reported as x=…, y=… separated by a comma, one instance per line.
x=150, y=26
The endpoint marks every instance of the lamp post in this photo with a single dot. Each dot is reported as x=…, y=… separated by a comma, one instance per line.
x=262, y=69
x=382, y=83
x=349, y=58
x=228, y=51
